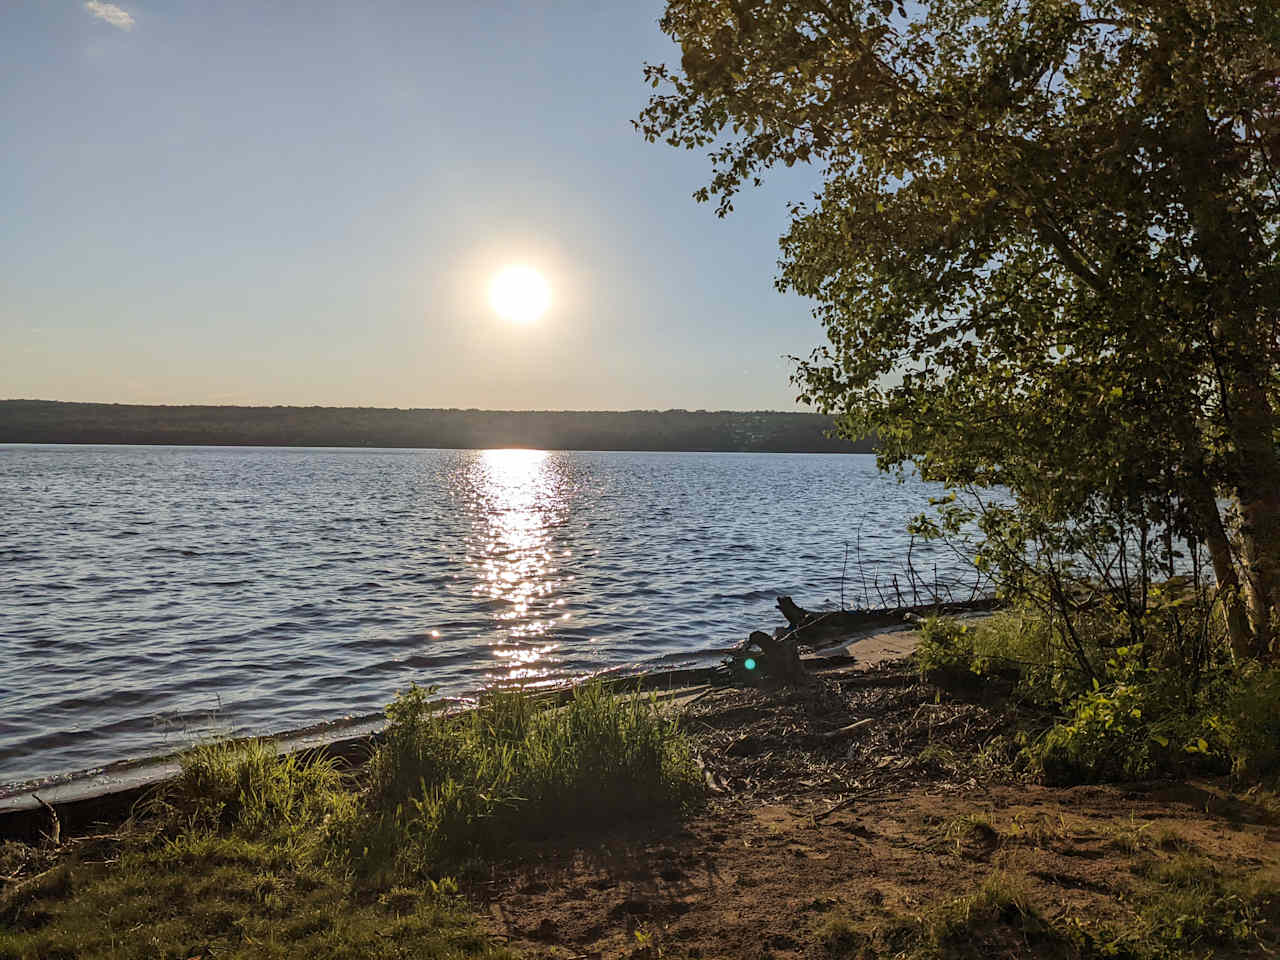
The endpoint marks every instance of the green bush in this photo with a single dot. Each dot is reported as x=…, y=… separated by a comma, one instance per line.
x=1106, y=738
x=1249, y=726
x=445, y=787
x=1137, y=717
x=1151, y=724
x=1017, y=647
x=945, y=650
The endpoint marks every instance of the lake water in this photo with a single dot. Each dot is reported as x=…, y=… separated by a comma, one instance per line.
x=153, y=595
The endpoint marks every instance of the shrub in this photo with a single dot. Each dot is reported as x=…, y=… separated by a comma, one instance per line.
x=945, y=651
x=1151, y=724
x=1105, y=739
x=1249, y=726
x=1137, y=716
x=1015, y=648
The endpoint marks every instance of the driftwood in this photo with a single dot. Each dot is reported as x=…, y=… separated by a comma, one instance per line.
x=811, y=628
x=796, y=615
x=781, y=654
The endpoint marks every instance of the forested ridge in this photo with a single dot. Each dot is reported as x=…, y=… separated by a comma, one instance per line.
x=46, y=421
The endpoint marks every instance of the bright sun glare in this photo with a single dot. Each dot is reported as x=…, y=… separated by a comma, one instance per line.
x=519, y=294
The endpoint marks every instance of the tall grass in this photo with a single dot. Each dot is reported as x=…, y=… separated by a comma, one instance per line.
x=236, y=859
x=249, y=789
x=443, y=788
x=248, y=853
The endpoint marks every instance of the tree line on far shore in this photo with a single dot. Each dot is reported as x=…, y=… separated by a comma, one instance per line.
x=44, y=421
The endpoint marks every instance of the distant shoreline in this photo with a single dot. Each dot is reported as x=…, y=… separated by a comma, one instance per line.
x=673, y=431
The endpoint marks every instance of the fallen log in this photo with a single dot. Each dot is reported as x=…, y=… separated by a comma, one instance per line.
x=777, y=657
x=811, y=627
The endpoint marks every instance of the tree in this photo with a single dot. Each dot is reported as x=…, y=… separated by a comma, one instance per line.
x=1045, y=248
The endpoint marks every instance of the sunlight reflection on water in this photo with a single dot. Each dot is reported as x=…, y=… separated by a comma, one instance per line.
x=517, y=497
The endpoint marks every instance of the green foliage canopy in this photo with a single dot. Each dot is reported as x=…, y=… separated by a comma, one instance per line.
x=1044, y=251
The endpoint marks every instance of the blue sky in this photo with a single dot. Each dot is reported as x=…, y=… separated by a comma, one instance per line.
x=277, y=203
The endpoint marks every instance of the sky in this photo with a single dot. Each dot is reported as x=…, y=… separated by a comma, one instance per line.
x=304, y=203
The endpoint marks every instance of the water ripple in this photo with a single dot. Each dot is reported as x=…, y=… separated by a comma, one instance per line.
x=159, y=594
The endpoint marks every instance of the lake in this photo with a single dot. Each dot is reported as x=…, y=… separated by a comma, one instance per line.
x=155, y=595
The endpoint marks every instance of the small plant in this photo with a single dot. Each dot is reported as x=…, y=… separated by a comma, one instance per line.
x=945, y=650
x=972, y=834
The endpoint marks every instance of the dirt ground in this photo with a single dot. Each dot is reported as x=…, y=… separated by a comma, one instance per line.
x=810, y=831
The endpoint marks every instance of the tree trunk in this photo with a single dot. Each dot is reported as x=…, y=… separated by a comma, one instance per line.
x=1224, y=566
x=1244, y=368
x=1258, y=497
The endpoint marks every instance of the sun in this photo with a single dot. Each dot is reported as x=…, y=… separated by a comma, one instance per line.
x=519, y=294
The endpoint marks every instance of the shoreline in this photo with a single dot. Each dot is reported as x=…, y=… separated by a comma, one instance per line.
x=675, y=430
x=870, y=810
x=107, y=792
x=101, y=793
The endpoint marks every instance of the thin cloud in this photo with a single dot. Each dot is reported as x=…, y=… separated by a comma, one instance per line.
x=110, y=13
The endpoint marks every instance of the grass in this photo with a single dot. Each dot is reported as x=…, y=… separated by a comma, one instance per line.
x=447, y=788
x=1184, y=907
x=970, y=835
x=1189, y=899
x=1173, y=902
x=211, y=895
x=1140, y=836
x=997, y=919
x=247, y=787
x=248, y=854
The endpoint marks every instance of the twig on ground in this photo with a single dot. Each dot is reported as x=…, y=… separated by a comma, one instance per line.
x=842, y=805
x=848, y=729
x=54, y=836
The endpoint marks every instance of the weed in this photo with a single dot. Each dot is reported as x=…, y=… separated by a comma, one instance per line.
x=971, y=835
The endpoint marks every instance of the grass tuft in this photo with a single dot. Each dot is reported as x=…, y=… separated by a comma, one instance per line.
x=445, y=788
x=246, y=788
